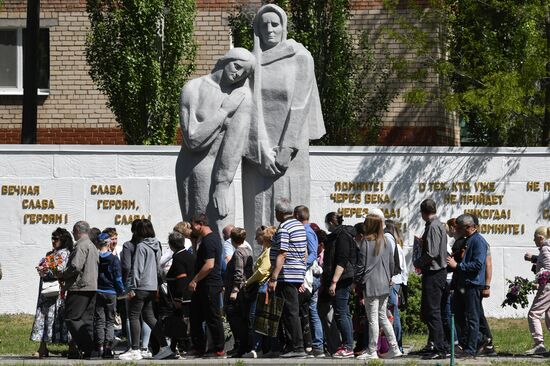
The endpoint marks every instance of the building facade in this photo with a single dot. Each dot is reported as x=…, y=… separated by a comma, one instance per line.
x=72, y=111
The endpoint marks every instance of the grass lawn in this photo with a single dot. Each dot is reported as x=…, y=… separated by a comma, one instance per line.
x=15, y=331
x=511, y=337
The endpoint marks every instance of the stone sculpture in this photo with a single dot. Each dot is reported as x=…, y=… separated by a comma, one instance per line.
x=287, y=114
x=215, y=112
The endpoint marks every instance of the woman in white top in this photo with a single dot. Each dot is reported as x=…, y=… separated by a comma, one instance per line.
x=397, y=281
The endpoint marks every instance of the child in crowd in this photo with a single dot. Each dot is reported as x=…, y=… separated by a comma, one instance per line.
x=109, y=284
x=113, y=237
x=239, y=268
x=179, y=275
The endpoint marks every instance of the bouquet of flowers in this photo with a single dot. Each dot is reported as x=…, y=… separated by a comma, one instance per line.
x=542, y=277
x=518, y=289
x=53, y=263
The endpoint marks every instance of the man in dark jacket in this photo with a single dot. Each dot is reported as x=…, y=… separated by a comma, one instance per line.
x=470, y=282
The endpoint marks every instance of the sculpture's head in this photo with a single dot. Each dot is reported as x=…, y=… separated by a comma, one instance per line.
x=236, y=65
x=270, y=26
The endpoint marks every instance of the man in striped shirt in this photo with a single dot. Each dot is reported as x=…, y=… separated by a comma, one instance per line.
x=288, y=259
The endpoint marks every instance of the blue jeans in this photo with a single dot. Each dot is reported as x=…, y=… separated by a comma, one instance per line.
x=315, y=321
x=342, y=315
x=467, y=309
x=394, y=301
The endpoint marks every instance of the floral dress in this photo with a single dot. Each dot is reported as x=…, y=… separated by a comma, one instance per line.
x=49, y=320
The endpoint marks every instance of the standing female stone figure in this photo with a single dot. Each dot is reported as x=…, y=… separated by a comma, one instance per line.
x=286, y=116
x=215, y=115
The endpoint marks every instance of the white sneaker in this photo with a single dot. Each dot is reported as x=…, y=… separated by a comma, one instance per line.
x=368, y=356
x=392, y=353
x=131, y=355
x=537, y=350
x=251, y=354
x=164, y=353
x=145, y=353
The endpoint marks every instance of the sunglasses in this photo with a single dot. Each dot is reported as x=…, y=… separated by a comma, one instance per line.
x=54, y=238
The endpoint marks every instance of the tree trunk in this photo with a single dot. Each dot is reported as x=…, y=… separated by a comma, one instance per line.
x=545, y=140
x=30, y=73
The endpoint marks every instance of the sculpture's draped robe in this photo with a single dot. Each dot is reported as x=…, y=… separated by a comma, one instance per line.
x=288, y=115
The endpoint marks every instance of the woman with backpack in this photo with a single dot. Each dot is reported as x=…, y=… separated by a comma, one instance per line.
x=375, y=273
x=338, y=273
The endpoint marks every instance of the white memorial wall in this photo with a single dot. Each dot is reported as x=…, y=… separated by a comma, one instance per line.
x=46, y=186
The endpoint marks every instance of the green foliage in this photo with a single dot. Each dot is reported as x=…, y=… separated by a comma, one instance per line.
x=354, y=86
x=410, y=318
x=240, y=23
x=518, y=291
x=490, y=59
x=500, y=61
x=140, y=53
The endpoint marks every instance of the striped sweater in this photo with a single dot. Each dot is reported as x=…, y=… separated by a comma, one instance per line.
x=290, y=238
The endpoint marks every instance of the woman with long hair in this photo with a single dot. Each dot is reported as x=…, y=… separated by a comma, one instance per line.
x=336, y=280
x=143, y=283
x=375, y=273
x=49, y=321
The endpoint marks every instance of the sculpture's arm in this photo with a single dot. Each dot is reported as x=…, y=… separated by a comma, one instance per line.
x=290, y=140
x=198, y=135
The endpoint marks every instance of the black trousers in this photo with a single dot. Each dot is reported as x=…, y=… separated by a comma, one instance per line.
x=468, y=305
x=104, y=319
x=290, y=318
x=305, y=299
x=79, y=317
x=141, y=305
x=237, y=316
x=434, y=285
x=206, y=307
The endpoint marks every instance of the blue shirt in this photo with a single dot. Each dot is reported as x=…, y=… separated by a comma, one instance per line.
x=312, y=245
x=290, y=238
x=228, y=250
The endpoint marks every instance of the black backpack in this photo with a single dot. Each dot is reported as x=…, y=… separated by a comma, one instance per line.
x=396, y=261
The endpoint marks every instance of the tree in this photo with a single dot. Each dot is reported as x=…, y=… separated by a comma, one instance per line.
x=492, y=58
x=354, y=86
x=140, y=53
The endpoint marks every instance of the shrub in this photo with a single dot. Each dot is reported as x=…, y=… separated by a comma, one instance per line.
x=410, y=318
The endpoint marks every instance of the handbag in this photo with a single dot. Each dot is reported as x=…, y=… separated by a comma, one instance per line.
x=50, y=289
x=403, y=297
x=268, y=314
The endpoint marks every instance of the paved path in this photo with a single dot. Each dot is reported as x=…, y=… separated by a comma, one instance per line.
x=409, y=361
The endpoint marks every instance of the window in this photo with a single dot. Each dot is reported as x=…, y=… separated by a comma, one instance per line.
x=11, y=61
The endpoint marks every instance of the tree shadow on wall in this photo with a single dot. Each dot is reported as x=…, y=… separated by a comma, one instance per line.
x=409, y=166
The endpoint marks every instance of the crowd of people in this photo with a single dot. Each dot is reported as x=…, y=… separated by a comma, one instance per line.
x=294, y=300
